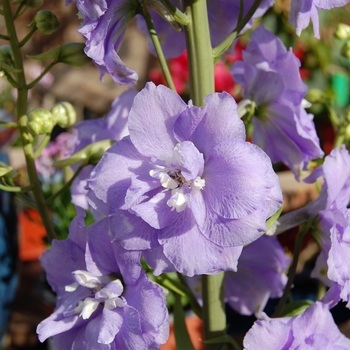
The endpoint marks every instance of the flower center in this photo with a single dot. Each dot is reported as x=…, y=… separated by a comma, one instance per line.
x=102, y=289
x=181, y=174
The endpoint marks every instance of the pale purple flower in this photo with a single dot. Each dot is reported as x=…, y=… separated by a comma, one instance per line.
x=103, y=28
x=188, y=175
x=269, y=76
x=104, y=299
x=259, y=277
x=223, y=19
x=313, y=329
x=112, y=127
x=302, y=11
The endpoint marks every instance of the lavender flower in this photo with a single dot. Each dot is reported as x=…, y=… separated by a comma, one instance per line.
x=269, y=75
x=113, y=127
x=223, y=19
x=104, y=300
x=301, y=11
x=260, y=276
x=313, y=329
x=186, y=174
x=333, y=265
x=104, y=27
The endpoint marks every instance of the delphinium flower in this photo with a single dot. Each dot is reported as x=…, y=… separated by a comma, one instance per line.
x=333, y=263
x=103, y=27
x=301, y=11
x=186, y=181
x=104, y=299
x=113, y=127
x=260, y=276
x=313, y=329
x=223, y=19
x=269, y=76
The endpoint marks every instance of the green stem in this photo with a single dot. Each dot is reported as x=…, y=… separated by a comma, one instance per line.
x=293, y=268
x=22, y=102
x=36, y=80
x=158, y=48
x=199, y=51
x=42, y=145
x=15, y=189
x=18, y=11
x=4, y=37
x=179, y=16
x=201, y=68
x=66, y=185
x=225, y=44
x=8, y=124
x=27, y=37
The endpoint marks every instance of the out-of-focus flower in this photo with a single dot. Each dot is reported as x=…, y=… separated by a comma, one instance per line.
x=183, y=172
x=313, y=329
x=103, y=27
x=112, y=127
x=104, y=299
x=301, y=11
x=269, y=75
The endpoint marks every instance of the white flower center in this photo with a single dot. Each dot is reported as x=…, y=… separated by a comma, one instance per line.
x=168, y=171
x=103, y=289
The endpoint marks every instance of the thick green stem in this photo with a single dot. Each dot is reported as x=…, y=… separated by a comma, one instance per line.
x=158, y=48
x=200, y=59
x=22, y=102
x=201, y=67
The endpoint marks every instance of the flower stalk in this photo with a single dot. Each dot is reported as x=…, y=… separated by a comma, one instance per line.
x=201, y=70
x=22, y=104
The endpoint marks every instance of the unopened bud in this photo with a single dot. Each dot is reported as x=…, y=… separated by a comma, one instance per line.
x=342, y=32
x=46, y=21
x=40, y=121
x=73, y=54
x=315, y=96
x=6, y=55
x=345, y=50
x=64, y=114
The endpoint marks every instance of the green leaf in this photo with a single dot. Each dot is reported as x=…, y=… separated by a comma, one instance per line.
x=222, y=340
x=5, y=169
x=183, y=340
x=296, y=308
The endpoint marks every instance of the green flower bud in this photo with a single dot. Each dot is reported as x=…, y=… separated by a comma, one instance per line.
x=345, y=50
x=342, y=32
x=40, y=121
x=73, y=54
x=46, y=21
x=6, y=55
x=64, y=114
x=315, y=96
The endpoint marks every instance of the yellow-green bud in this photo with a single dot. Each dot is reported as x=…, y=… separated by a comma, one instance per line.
x=64, y=114
x=315, y=96
x=347, y=133
x=40, y=121
x=6, y=55
x=46, y=21
x=342, y=32
x=345, y=50
x=73, y=54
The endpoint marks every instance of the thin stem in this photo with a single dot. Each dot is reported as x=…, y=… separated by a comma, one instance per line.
x=18, y=11
x=42, y=145
x=11, y=80
x=158, y=48
x=15, y=189
x=225, y=44
x=36, y=80
x=66, y=186
x=4, y=37
x=8, y=124
x=22, y=101
x=27, y=37
x=293, y=268
x=179, y=16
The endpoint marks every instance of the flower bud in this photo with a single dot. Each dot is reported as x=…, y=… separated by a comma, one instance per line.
x=6, y=55
x=46, y=21
x=345, y=50
x=73, y=54
x=64, y=114
x=342, y=32
x=40, y=121
x=315, y=96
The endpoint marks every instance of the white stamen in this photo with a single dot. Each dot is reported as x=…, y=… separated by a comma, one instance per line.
x=89, y=307
x=177, y=201
x=197, y=184
x=71, y=287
